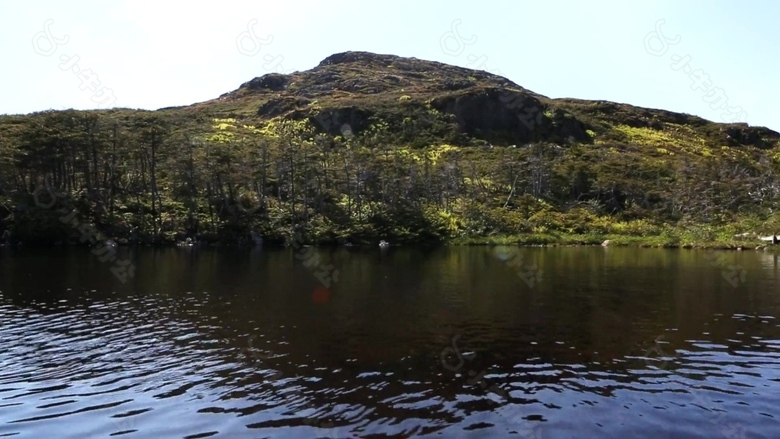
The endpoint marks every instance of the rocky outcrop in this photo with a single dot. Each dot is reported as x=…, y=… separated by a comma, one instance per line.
x=284, y=105
x=271, y=81
x=742, y=134
x=509, y=115
x=336, y=121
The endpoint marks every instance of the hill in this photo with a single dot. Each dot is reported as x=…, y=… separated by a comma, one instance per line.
x=366, y=147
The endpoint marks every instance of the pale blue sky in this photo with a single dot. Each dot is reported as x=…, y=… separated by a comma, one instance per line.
x=155, y=54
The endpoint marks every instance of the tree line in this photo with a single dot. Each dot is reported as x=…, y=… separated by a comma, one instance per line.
x=159, y=178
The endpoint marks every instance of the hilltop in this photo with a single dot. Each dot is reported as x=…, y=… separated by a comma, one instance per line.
x=357, y=87
x=365, y=146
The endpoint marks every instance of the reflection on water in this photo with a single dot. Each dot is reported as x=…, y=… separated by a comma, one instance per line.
x=450, y=342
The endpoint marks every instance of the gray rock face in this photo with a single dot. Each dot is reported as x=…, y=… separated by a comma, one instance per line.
x=271, y=81
x=508, y=115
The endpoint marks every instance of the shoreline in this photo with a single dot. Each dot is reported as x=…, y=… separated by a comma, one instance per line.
x=524, y=240
x=570, y=240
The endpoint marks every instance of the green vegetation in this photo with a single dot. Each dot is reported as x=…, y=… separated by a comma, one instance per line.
x=274, y=158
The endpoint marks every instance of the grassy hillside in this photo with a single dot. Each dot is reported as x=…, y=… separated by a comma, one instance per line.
x=366, y=147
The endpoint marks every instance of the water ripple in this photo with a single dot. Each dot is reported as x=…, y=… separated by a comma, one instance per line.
x=266, y=362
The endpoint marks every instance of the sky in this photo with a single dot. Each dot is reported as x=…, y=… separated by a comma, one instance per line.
x=715, y=59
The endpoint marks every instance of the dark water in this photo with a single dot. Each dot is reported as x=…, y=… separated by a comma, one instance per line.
x=453, y=342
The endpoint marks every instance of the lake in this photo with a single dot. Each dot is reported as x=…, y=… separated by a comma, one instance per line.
x=452, y=342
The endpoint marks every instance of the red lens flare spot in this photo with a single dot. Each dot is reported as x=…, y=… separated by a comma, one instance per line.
x=320, y=295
